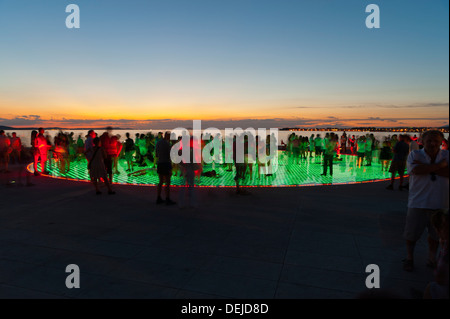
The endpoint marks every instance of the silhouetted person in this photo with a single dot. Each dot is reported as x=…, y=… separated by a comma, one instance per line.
x=129, y=151
x=385, y=154
x=318, y=145
x=97, y=168
x=239, y=162
x=398, y=165
x=142, y=149
x=114, y=152
x=89, y=145
x=311, y=145
x=16, y=145
x=189, y=169
x=5, y=149
x=344, y=143
x=41, y=146
x=80, y=147
x=328, y=155
x=105, y=141
x=164, y=168
x=361, y=150
x=369, y=149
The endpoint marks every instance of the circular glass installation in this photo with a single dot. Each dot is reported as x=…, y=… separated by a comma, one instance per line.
x=287, y=172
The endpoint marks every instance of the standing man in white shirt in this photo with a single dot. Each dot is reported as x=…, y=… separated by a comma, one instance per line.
x=428, y=193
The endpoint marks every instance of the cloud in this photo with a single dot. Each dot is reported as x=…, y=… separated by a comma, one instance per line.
x=29, y=117
x=23, y=120
x=372, y=105
x=163, y=124
x=437, y=104
x=416, y=105
x=383, y=120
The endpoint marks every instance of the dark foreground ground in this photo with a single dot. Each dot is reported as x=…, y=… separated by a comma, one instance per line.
x=283, y=243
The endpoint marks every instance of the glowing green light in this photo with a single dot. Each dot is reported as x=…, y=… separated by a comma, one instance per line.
x=305, y=173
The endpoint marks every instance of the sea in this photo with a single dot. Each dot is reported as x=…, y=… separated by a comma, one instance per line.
x=25, y=135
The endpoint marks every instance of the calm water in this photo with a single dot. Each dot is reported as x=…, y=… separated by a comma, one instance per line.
x=25, y=135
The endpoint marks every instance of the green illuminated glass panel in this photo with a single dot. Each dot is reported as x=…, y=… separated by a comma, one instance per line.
x=288, y=173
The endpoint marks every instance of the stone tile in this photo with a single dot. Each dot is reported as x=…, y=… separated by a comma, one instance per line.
x=155, y=273
x=231, y=286
x=88, y=263
x=203, y=246
x=107, y=248
x=393, y=270
x=244, y=267
x=375, y=255
x=187, y=294
x=328, y=279
x=13, y=269
x=295, y=291
x=28, y=253
x=328, y=246
x=11, y=292
x=100, y=287
x=45, y=280
x=14, y=235
x=53, y=241
x=253, y=251
x=135, y=238
x=323, y=260
x=264, y=237
x=369, y=241
x=177, y=258
x=202, y=230
x=404, y=289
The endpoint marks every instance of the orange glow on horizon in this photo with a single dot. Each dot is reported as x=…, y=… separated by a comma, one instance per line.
x=75, y=114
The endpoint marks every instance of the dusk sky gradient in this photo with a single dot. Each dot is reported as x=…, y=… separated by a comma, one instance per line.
x=140, y=63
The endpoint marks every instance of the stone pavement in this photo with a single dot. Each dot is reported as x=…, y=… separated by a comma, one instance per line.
x=282, y=243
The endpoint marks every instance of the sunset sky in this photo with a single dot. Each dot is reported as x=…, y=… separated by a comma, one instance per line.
x=274, y=63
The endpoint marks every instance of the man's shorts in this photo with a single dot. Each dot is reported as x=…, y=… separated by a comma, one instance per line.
x=417, y=219
x=398, y=166
x=129, y=156
x=164, y=169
